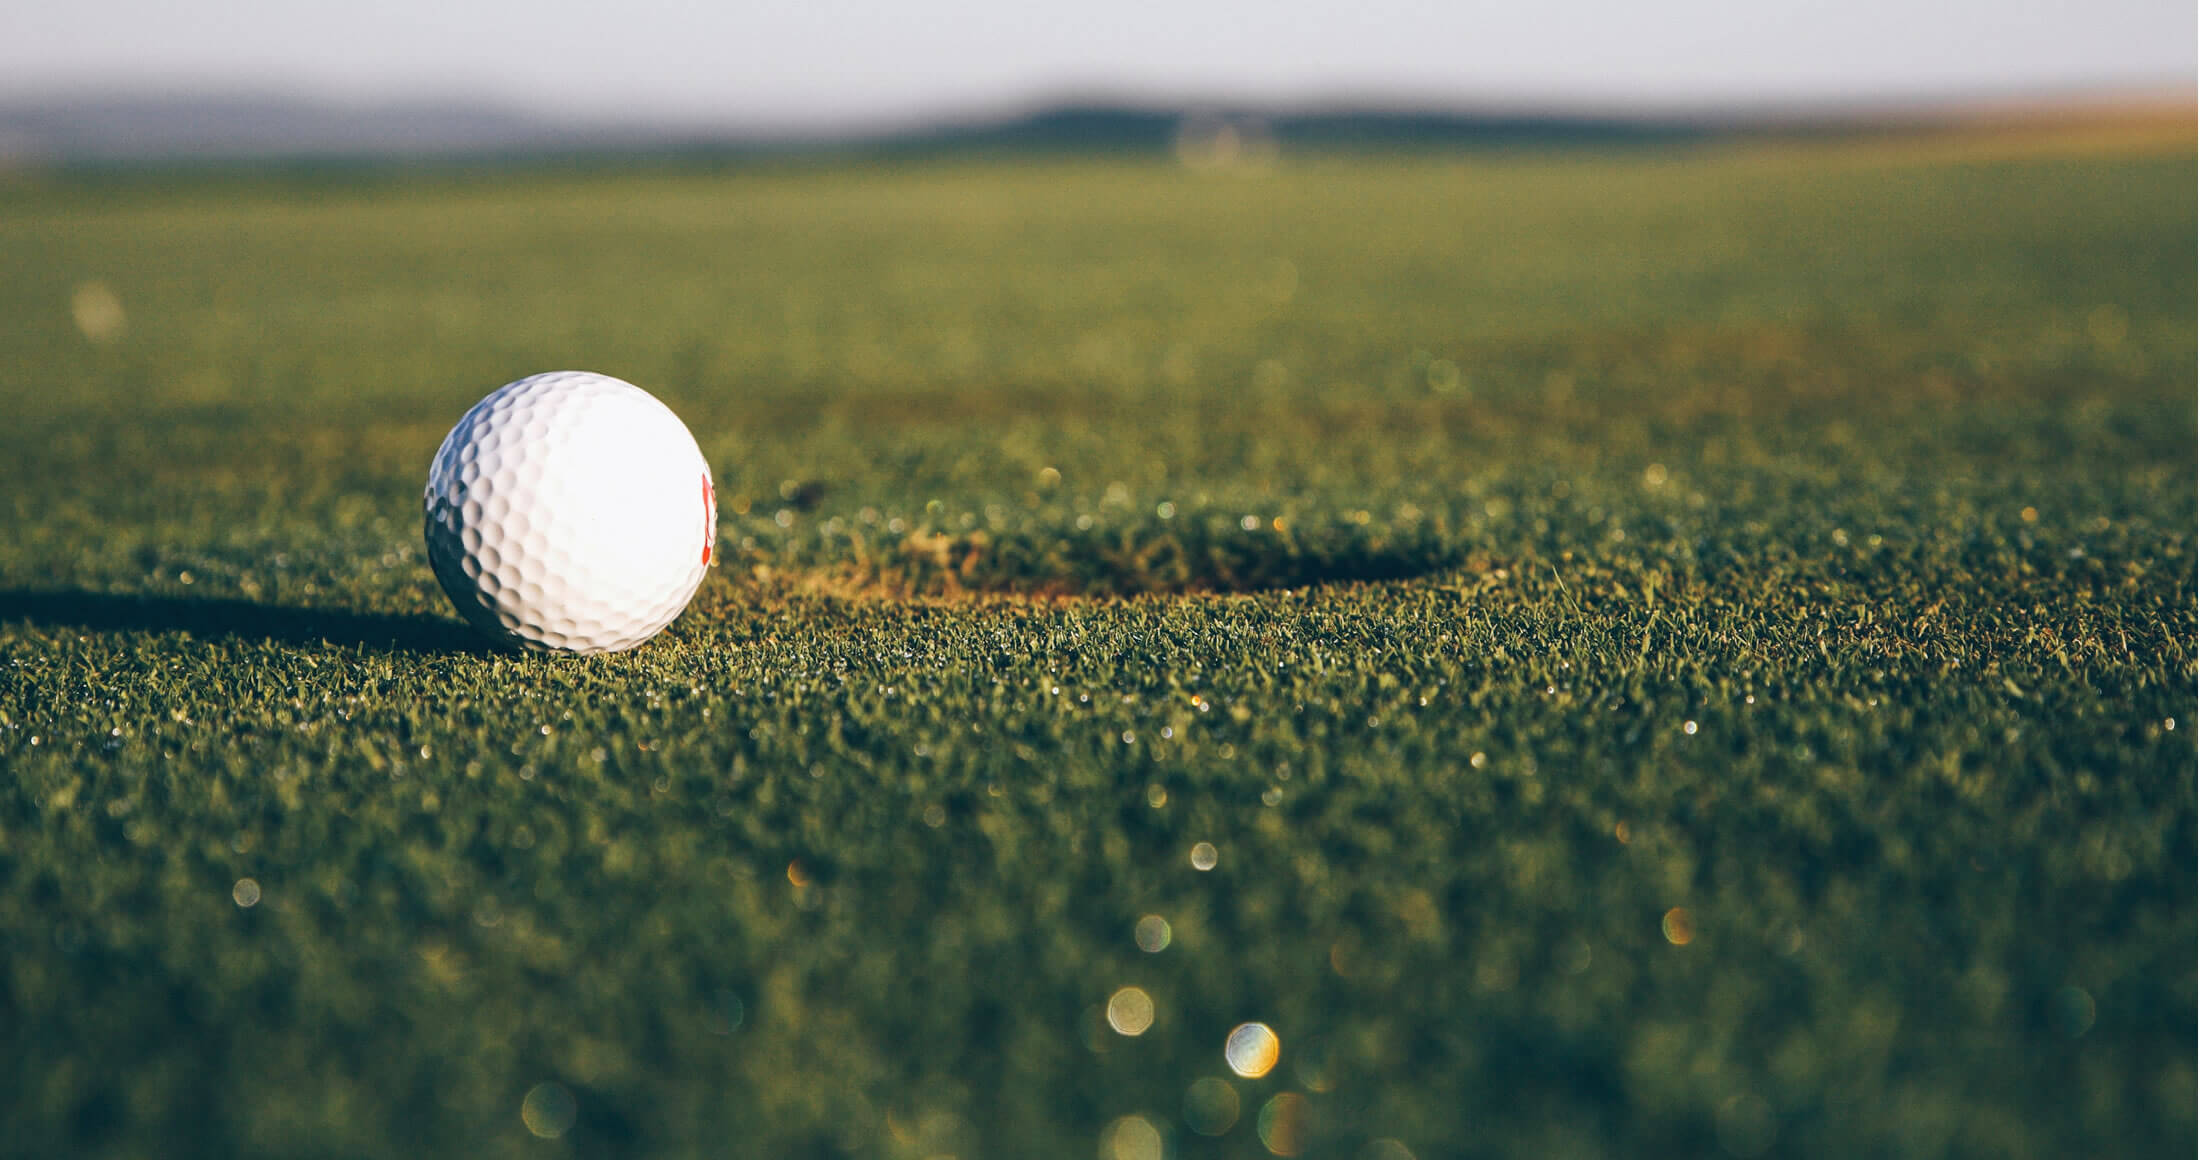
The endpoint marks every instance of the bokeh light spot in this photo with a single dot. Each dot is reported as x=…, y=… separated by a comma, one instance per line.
x=548, y=1110
x=1210, y=1106
x=2074, y=1011
x=1252, y=1050
x=727, y=1013
x=1679, y=927
x=1130, y=1011
x=1204, y=856
x=1314, y=1065
x=246, y=893
x=1130, y=1138
x=97, y=311
x=1283, y=1124
x=1153, y=934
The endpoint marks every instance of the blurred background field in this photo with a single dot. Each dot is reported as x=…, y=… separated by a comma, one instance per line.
x=1025, y=361
x=1633, y=651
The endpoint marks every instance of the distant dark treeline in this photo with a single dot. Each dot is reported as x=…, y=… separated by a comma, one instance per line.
x=128, y=132
x=1121, y=130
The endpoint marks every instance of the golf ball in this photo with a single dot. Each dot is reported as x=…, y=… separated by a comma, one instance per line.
x=570, y=512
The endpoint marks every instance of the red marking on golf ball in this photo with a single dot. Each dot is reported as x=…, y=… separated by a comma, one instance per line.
x=710, y=517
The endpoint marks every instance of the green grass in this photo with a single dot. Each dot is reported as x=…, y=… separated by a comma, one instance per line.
x=1486, y=556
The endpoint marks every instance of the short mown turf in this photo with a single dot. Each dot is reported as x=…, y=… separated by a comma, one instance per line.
x=1658, y=653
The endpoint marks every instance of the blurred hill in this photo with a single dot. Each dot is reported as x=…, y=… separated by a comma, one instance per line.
x=223, y=127
x=253, y=126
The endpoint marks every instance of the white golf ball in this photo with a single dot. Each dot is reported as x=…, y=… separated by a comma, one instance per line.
x=570, y=512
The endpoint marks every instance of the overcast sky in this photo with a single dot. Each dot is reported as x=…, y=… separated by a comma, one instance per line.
x=822, y=61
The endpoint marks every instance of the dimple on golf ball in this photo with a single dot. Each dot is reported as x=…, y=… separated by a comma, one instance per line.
x=570, y=512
